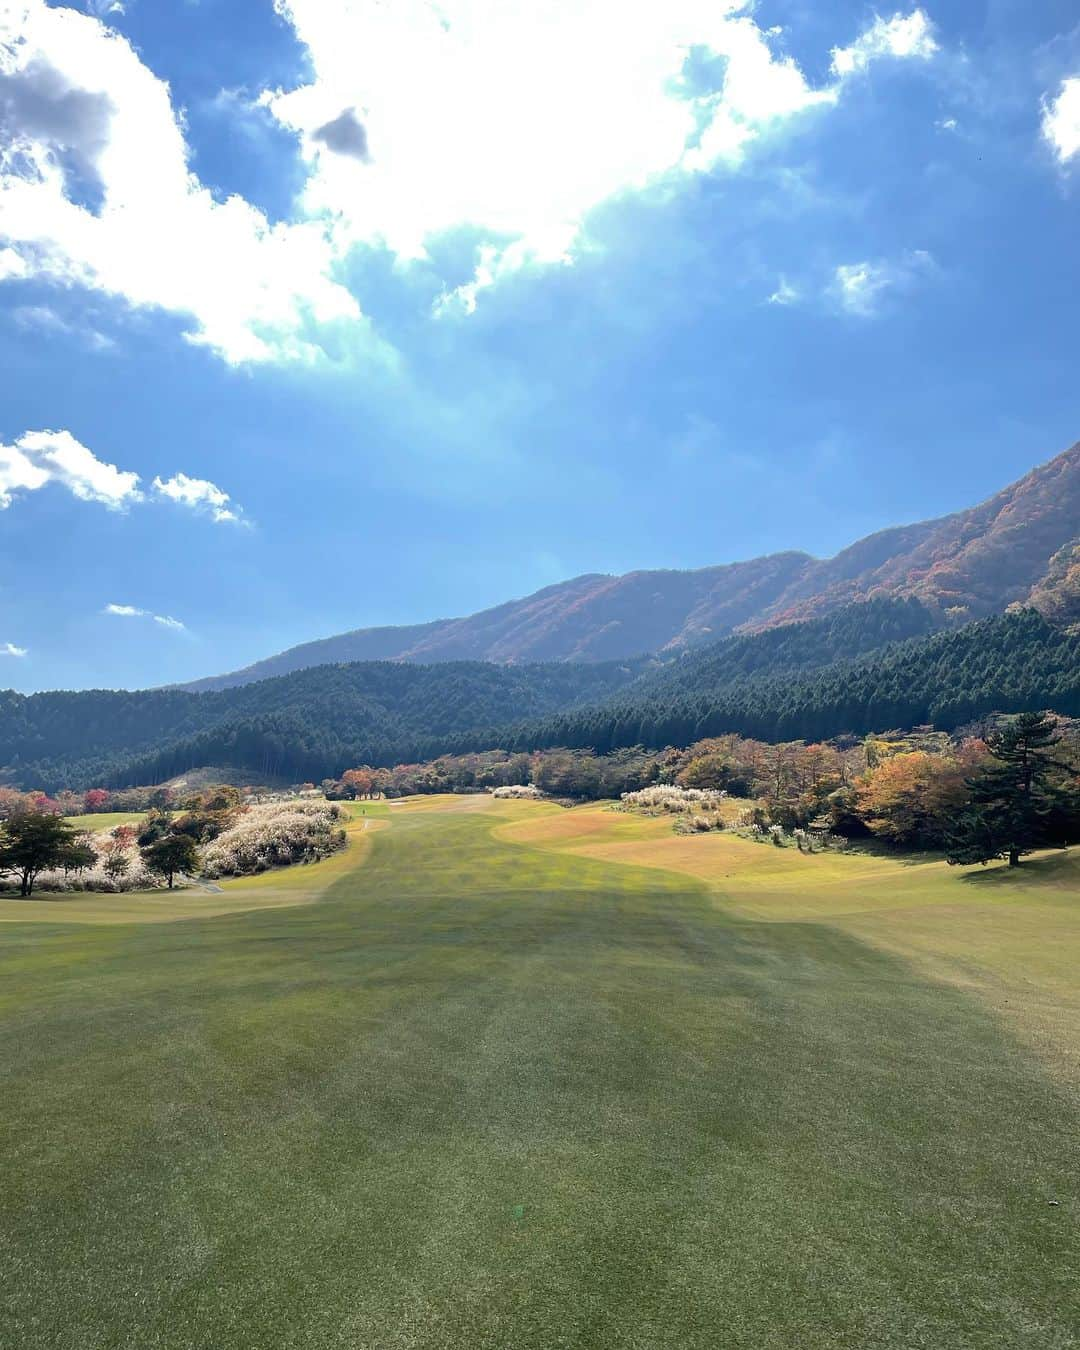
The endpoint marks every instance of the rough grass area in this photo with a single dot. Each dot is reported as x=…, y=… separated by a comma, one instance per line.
x=494, y=1093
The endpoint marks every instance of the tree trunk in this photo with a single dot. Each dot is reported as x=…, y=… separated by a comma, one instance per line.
x=1014, y=857
x=170, y=881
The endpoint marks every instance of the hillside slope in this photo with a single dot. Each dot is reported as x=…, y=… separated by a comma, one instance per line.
x=297, y=726
x=964, y=566
x=868, y=666
x=774, y=686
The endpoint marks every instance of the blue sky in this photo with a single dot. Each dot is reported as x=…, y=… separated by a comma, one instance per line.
x=338, y=313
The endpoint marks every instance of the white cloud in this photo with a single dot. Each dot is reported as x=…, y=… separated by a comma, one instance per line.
x=859, y=288
x=38, y=458
x=199, y=494
x=858, y=285
x=785, y=293
x=903, y=36
x=9, y=649
x=512, y=121
x=41, y=457
x=84, y=109
x=133, y=612
x=517, y=119
x=12, y=266
x=1061, y=120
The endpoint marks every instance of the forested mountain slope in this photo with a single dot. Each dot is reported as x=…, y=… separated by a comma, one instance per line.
x=1011, y=663
x=293, y=725
x=963, y=566
x=869, y=666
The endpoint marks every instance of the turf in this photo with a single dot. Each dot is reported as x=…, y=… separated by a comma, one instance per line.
x=491, y=1091
x=105, y=820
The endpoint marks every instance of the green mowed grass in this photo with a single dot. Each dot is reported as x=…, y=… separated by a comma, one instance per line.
x=105, y=820
x=488, y=1095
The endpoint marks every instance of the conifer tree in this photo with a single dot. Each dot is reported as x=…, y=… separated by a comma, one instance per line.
x=1014, y=796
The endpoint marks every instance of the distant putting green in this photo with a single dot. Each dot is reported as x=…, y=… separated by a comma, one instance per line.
x=522, y=1077
x=104, y=820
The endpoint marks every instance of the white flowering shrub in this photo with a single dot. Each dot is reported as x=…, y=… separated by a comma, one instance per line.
x=275, y=834
x=698, y=823
x=134, y=875
x=668, y=797
x=521, y=790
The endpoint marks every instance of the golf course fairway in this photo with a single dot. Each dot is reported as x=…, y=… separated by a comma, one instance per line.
x=506, y=1075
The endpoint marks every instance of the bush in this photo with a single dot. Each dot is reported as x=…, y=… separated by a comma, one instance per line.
x=112, y=863
x=275, y=834
x=698, y=824
x=667, y=797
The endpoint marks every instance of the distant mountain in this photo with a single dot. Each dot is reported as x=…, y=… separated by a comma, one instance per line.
x=867, y=666
x=303, y=725
x=780, y=684
x=1017, y=547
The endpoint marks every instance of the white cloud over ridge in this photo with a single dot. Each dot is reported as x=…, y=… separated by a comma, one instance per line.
x=38, y=458
x=513, y=121
x=133, y=612
x=1061, y=120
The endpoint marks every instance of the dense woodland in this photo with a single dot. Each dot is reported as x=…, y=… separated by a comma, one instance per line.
x=868, y=667
x=1012, y=663
x=297, y=726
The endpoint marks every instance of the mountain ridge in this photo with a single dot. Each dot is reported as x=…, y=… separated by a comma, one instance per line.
x=868, y=666
x=966, y=565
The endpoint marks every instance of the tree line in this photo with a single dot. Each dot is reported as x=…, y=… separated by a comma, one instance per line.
x=1013, y=663
x=1011, y=786
x=868, y=666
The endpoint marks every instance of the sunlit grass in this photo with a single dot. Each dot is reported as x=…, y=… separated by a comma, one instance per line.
x=104, y=820
x=491, y=1093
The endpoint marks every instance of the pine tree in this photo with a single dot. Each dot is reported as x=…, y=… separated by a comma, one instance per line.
x=30, y=842
x=1011, y=799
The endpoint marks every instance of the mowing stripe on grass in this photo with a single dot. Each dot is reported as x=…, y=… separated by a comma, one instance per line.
x=485, y=1094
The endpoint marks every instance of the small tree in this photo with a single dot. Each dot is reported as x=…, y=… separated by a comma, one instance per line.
x=913, y=799
x=77, y=856
x=123, y=836
x=360, y=782
x=116, y=867
x=175, y=853
x=30, y=842
x=1012, y=798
